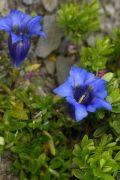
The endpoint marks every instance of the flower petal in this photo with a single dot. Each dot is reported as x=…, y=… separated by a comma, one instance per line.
x=89, y=78
x=18, y=51
x=99, y=88
x=98, y=84
x=100, y=94
x=15, y=38
x=35, y=22
x=80, y=110
x=6, y=24
x=17, y=17
x=64, y=90
x=91, y=108
x=100, y=103
x=77, y=76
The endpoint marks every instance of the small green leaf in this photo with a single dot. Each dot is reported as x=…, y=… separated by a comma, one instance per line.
x=2, y=141
x=108, y=76
x=77, y=173
x=100, y=131
x=19, y=114
x=117, y=156
x=102, y=162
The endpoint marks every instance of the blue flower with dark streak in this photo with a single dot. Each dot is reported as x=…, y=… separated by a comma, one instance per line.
x=20, y=27
x=84, y=93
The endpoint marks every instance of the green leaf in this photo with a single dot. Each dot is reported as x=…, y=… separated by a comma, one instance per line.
x=77, y=173
x=102, y=162
x=117, y=156
x=107, y=177
x=2, y=141
x=108, y=76
x=100, y=131
x=19, y=114
x=116, y=126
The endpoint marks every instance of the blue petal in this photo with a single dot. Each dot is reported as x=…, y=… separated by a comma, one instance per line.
x=6, y=24
x=18, y=51
x=99, y=88
x=89, y=78
x=99, y=84
x=100, y=103
x=17, y=17
x=15, y=38
x=80, y=110
x=100, y=94
x=71, y=100
x=77, y=76
x=91, y=108
x=64, y=90
x=35, y=22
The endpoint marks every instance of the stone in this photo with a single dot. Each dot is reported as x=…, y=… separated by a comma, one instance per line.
x=50, y=5
x=106, y=25
x=110, y=9
x=117, y=4
x=63, y=65
x=63, y=46
x=50, y=66
x=91, y=40
x=4, y=7
x=28, y=2
x=53, y=37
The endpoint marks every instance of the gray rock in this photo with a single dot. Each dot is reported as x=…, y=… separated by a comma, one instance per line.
x=50, y=5
x=50, y=66
x=106, y=25
x=63, y=65
x=28, y=2
x=63, y=46
x=53, y=37
x=117, y=4
x=110, y=9
x=91, y=40
x=4, y=7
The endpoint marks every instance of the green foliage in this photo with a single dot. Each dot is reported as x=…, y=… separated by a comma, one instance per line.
x=36, y=130
x=116, y=43
x=96, y=160
x=114, y=98
x=78, y=20
x=114, y=94
x=96, y=57
x=30, y=130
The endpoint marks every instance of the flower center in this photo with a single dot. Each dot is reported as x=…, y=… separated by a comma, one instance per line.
x=19, y=31
x=83, y=95
x=16, y=29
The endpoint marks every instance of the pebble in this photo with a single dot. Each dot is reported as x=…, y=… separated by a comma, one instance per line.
x=63, y=65
x=50, y=66
x=50, y=5
x=52, y=41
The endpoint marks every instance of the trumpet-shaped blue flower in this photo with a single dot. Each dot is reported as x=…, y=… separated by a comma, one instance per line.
x=84, y=93
x=20, y=27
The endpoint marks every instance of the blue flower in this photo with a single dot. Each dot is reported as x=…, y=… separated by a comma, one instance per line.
x=84, y=93
x=20, y=27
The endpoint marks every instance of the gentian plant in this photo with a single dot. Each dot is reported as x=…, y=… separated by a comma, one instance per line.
x=84, y=93
x=20, y=27
x=40, y=140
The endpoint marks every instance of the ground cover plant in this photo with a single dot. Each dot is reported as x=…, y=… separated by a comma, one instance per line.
x=72, y=132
